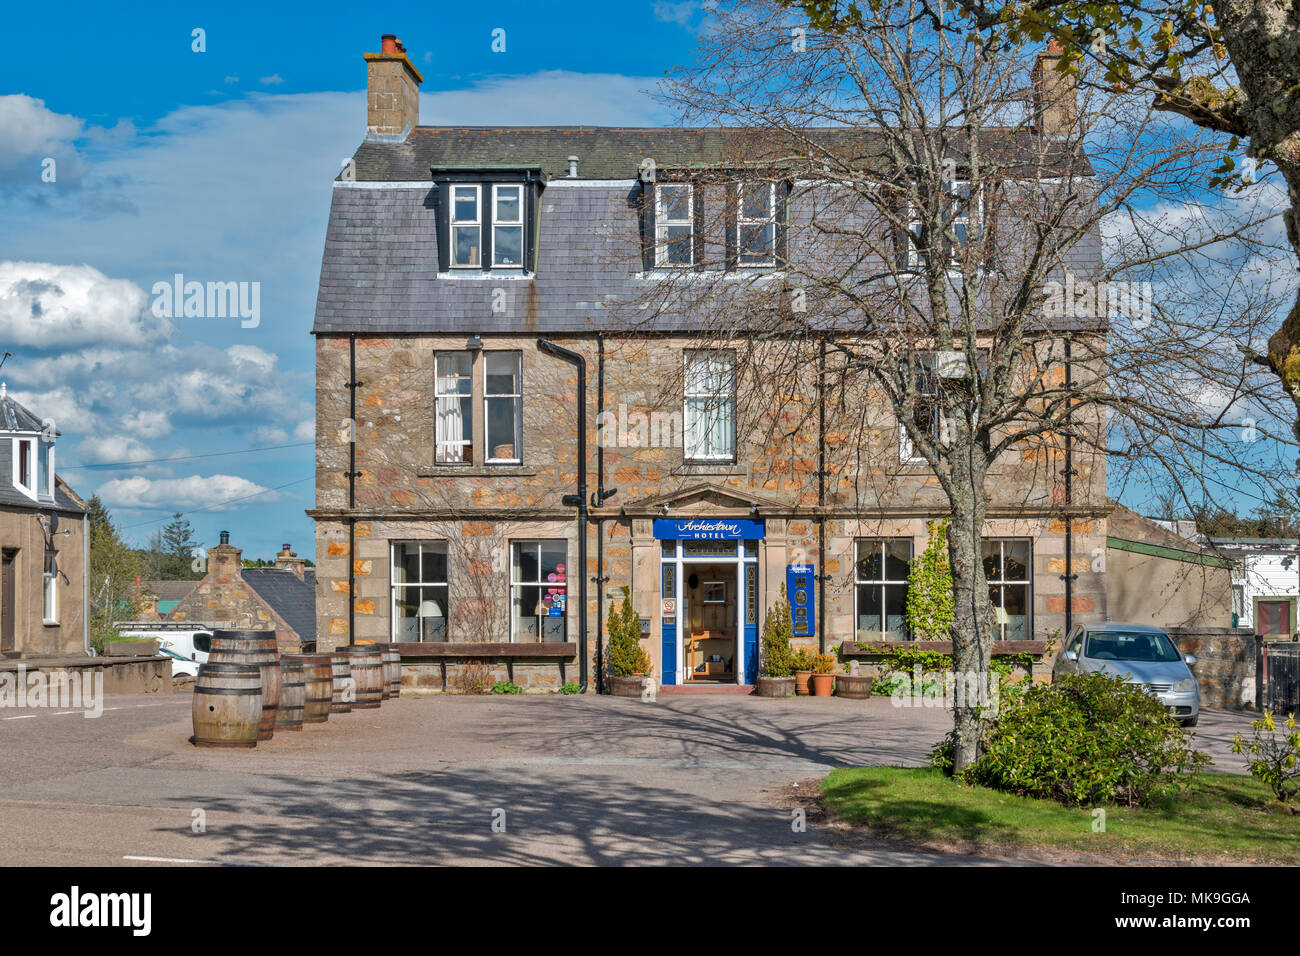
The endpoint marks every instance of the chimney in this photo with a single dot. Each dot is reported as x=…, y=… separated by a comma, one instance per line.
x=392, y=92
x=1056, y=103
x=287, y=560
x=573, y=167
x=225, y=560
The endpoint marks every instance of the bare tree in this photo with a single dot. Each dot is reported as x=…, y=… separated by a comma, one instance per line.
x=957, y=226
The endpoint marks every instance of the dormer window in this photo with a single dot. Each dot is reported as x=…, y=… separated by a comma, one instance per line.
x=756, y=224
x=508, y=227
x=24, y=476
x=487, y=219
x=674, y=225
x=466, y=227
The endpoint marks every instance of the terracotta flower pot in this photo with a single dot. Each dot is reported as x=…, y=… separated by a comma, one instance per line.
x=801, y=683
x=775, y=686
x=822, y=684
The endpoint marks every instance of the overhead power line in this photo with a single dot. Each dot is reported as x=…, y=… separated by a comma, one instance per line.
x=158, y=461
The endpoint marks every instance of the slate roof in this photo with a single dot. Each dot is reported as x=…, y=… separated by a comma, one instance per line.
x=14, y=417
x=293, y=600
x=379, y=271
x=170, y=590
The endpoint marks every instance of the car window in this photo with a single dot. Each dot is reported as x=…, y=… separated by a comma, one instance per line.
x=1141, y=646
x=203, y=642
x=1077, y=644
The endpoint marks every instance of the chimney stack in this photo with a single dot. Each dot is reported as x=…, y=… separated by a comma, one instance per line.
x=392, y=92
x=1056, y=103
x=287, y=560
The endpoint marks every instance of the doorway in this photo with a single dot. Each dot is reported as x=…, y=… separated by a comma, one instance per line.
x=709, y=639
x=7, y=601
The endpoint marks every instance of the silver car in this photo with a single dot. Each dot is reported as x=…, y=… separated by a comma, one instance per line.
x=1141, y=655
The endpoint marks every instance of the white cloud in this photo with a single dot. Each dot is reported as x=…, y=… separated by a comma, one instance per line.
x=148, y=423
x=306, y=430
x=70, y=413
x=49, y=306
x=275, y=79
x=679, y=13
x=100, y=449
x=29, y=132
x=265, y=435
x=214, y=492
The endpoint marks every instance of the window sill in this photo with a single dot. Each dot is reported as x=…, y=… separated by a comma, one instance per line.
x=477, y=471
x=726, y=466
x=50, y=623
x=437, y=649
x=480, y=274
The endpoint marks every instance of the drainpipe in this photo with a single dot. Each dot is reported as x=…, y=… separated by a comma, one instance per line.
x=352, y=473
x=1069, y=574
x=597, y=501
x=550, y=348
x=85, y=582
x=821, y=495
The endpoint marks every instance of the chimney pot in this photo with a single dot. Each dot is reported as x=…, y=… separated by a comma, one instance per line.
x=573, y=167
x=225, y=537
x=389, y=44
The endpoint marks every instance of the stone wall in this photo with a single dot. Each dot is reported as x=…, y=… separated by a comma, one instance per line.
x=23, y=531
x=1226, y=659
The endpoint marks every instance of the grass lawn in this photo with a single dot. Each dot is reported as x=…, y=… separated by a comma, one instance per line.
x=1220, y=819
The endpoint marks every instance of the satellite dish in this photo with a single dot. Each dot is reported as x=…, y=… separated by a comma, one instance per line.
x=54, y=523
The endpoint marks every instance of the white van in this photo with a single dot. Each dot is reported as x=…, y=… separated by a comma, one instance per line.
x=187, y=646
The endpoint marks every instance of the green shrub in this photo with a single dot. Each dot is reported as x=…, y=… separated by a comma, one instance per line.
x=1083, y=740
x=571, y=687
x=1272, y=760
x=929, y=588
x=506, y=687
x=778, y=658
x=803, y=659
x=626, y=655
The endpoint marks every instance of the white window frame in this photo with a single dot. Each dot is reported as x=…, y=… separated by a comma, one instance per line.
x=33, y=466
x=508, y=224
x=1002, y=582
x=516, y=583
x=880, y=584
x=742, y=221
x=395, y=586
x=691, y=445
x=48, y=448
x=914, y=258
x=453, y=224
x=662, y=225
x=50, y=588
x=517, y=396
x=465, y=446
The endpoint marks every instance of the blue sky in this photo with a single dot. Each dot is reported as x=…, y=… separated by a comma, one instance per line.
x=218, y=165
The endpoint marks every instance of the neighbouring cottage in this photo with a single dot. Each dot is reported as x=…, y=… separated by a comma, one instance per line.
x=280, y=599
x=464, y=278
x=43, y=543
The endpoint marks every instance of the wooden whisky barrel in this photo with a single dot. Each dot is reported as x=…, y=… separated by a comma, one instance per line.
x=253, y=647
x=227, y=705
x=343, y=689
x=368, y=675
x=394, y=670
x=293, y=694
x=318, y=686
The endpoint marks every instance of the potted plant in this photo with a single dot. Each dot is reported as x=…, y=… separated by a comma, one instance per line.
x=823, y=675
x=777, y=676
x=803, y=668
x=627, y=658
x=853, y=685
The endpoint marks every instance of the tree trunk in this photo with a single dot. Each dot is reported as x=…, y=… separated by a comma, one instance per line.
x=972, y=629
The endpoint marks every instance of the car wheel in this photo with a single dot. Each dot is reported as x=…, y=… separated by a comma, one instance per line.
x=1191, y=722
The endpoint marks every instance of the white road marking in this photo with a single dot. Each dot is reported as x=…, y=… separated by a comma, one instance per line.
x=20, y=717
x=169, y=859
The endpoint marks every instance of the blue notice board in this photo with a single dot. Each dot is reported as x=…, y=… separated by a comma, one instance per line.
x=799, y=580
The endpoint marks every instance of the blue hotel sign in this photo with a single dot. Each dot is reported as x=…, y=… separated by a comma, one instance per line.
x=709, y=529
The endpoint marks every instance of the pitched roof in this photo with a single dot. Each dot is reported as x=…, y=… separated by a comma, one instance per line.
x=616, y=152
x=292, y=599
x=15, y=417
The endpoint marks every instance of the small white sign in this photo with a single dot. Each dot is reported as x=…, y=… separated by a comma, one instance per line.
x=670, y=607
